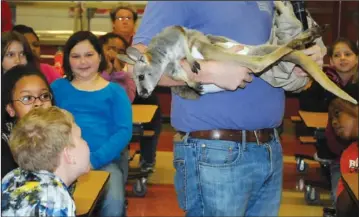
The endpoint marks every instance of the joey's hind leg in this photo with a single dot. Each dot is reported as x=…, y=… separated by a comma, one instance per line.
x=219, y=39
x=198, y=87
x=185, y=92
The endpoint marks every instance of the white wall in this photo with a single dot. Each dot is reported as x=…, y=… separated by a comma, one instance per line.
x=54, y=19
x=45, y=18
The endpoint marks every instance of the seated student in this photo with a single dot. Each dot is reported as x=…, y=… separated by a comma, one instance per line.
x=343, y=71
x=23, y=88
x=34, y=42
x=14, y=51
x=47, y=145
x=103, y=111
x=348, y=164
x=113, y=44
x=344, y=118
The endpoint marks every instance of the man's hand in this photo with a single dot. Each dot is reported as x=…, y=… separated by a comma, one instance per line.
x=226, y=75
x=314, y=52
x=114, y=62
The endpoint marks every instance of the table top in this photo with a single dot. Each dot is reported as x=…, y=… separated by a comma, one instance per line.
x=352, y=180
x=143, y=113
x=88, y=189
x=314, y=119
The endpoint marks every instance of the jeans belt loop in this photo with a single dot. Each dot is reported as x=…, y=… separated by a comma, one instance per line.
x=256, y=135
x=276, y=134
x=244, y=142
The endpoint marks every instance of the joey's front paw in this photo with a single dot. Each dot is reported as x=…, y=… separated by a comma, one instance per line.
x=210, y=88
x=198, y=87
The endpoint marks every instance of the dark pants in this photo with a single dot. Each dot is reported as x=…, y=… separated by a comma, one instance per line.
x=148, y=145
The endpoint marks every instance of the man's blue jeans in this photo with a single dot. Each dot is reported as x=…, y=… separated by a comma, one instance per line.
x=224, y=178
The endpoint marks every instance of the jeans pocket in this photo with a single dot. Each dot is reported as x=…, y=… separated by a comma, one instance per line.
x=180, y=182
x=219, y=153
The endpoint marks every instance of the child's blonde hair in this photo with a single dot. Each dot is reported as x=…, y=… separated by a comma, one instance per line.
x=40, y=136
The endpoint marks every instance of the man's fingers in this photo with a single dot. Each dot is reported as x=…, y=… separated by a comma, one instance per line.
x=299, y=72
x=242, y=85
x=315, y=53
x=312, y=50
x=248, y=78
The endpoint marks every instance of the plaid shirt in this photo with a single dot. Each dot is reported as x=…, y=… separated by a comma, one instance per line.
x=25, y=193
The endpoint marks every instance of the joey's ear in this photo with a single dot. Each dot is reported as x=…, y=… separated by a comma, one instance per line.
x=134, y=53
x=126, y=59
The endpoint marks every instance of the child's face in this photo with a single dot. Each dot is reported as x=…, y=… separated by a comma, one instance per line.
x=84, y=60
x=34, y=44
x=113, y=47
x=124, y=23
x=14, y=56
x=345, y=124
x=24, y=93
x=343, y=59
x=80, y=152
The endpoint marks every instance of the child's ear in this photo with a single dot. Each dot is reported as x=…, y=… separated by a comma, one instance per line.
x=69, y=158
x=10, y=110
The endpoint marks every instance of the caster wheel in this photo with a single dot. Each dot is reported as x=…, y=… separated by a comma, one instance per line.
x=139, y=187
x=300, y=184
x=311, y=196
x=302, y=166
x=329, y=212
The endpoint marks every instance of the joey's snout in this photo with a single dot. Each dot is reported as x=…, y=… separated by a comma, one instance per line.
x=144, y=93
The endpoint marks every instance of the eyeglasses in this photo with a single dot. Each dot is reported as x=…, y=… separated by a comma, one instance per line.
x=29, y=100
x=124, y=18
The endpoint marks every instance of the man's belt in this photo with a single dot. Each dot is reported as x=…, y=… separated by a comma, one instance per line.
x=258, y=136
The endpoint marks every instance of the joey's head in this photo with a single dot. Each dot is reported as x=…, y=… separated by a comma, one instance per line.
x=145, y=74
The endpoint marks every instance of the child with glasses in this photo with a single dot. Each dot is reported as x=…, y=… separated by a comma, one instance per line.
x=23, y=88
x=47, y=145
x=124, y=18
